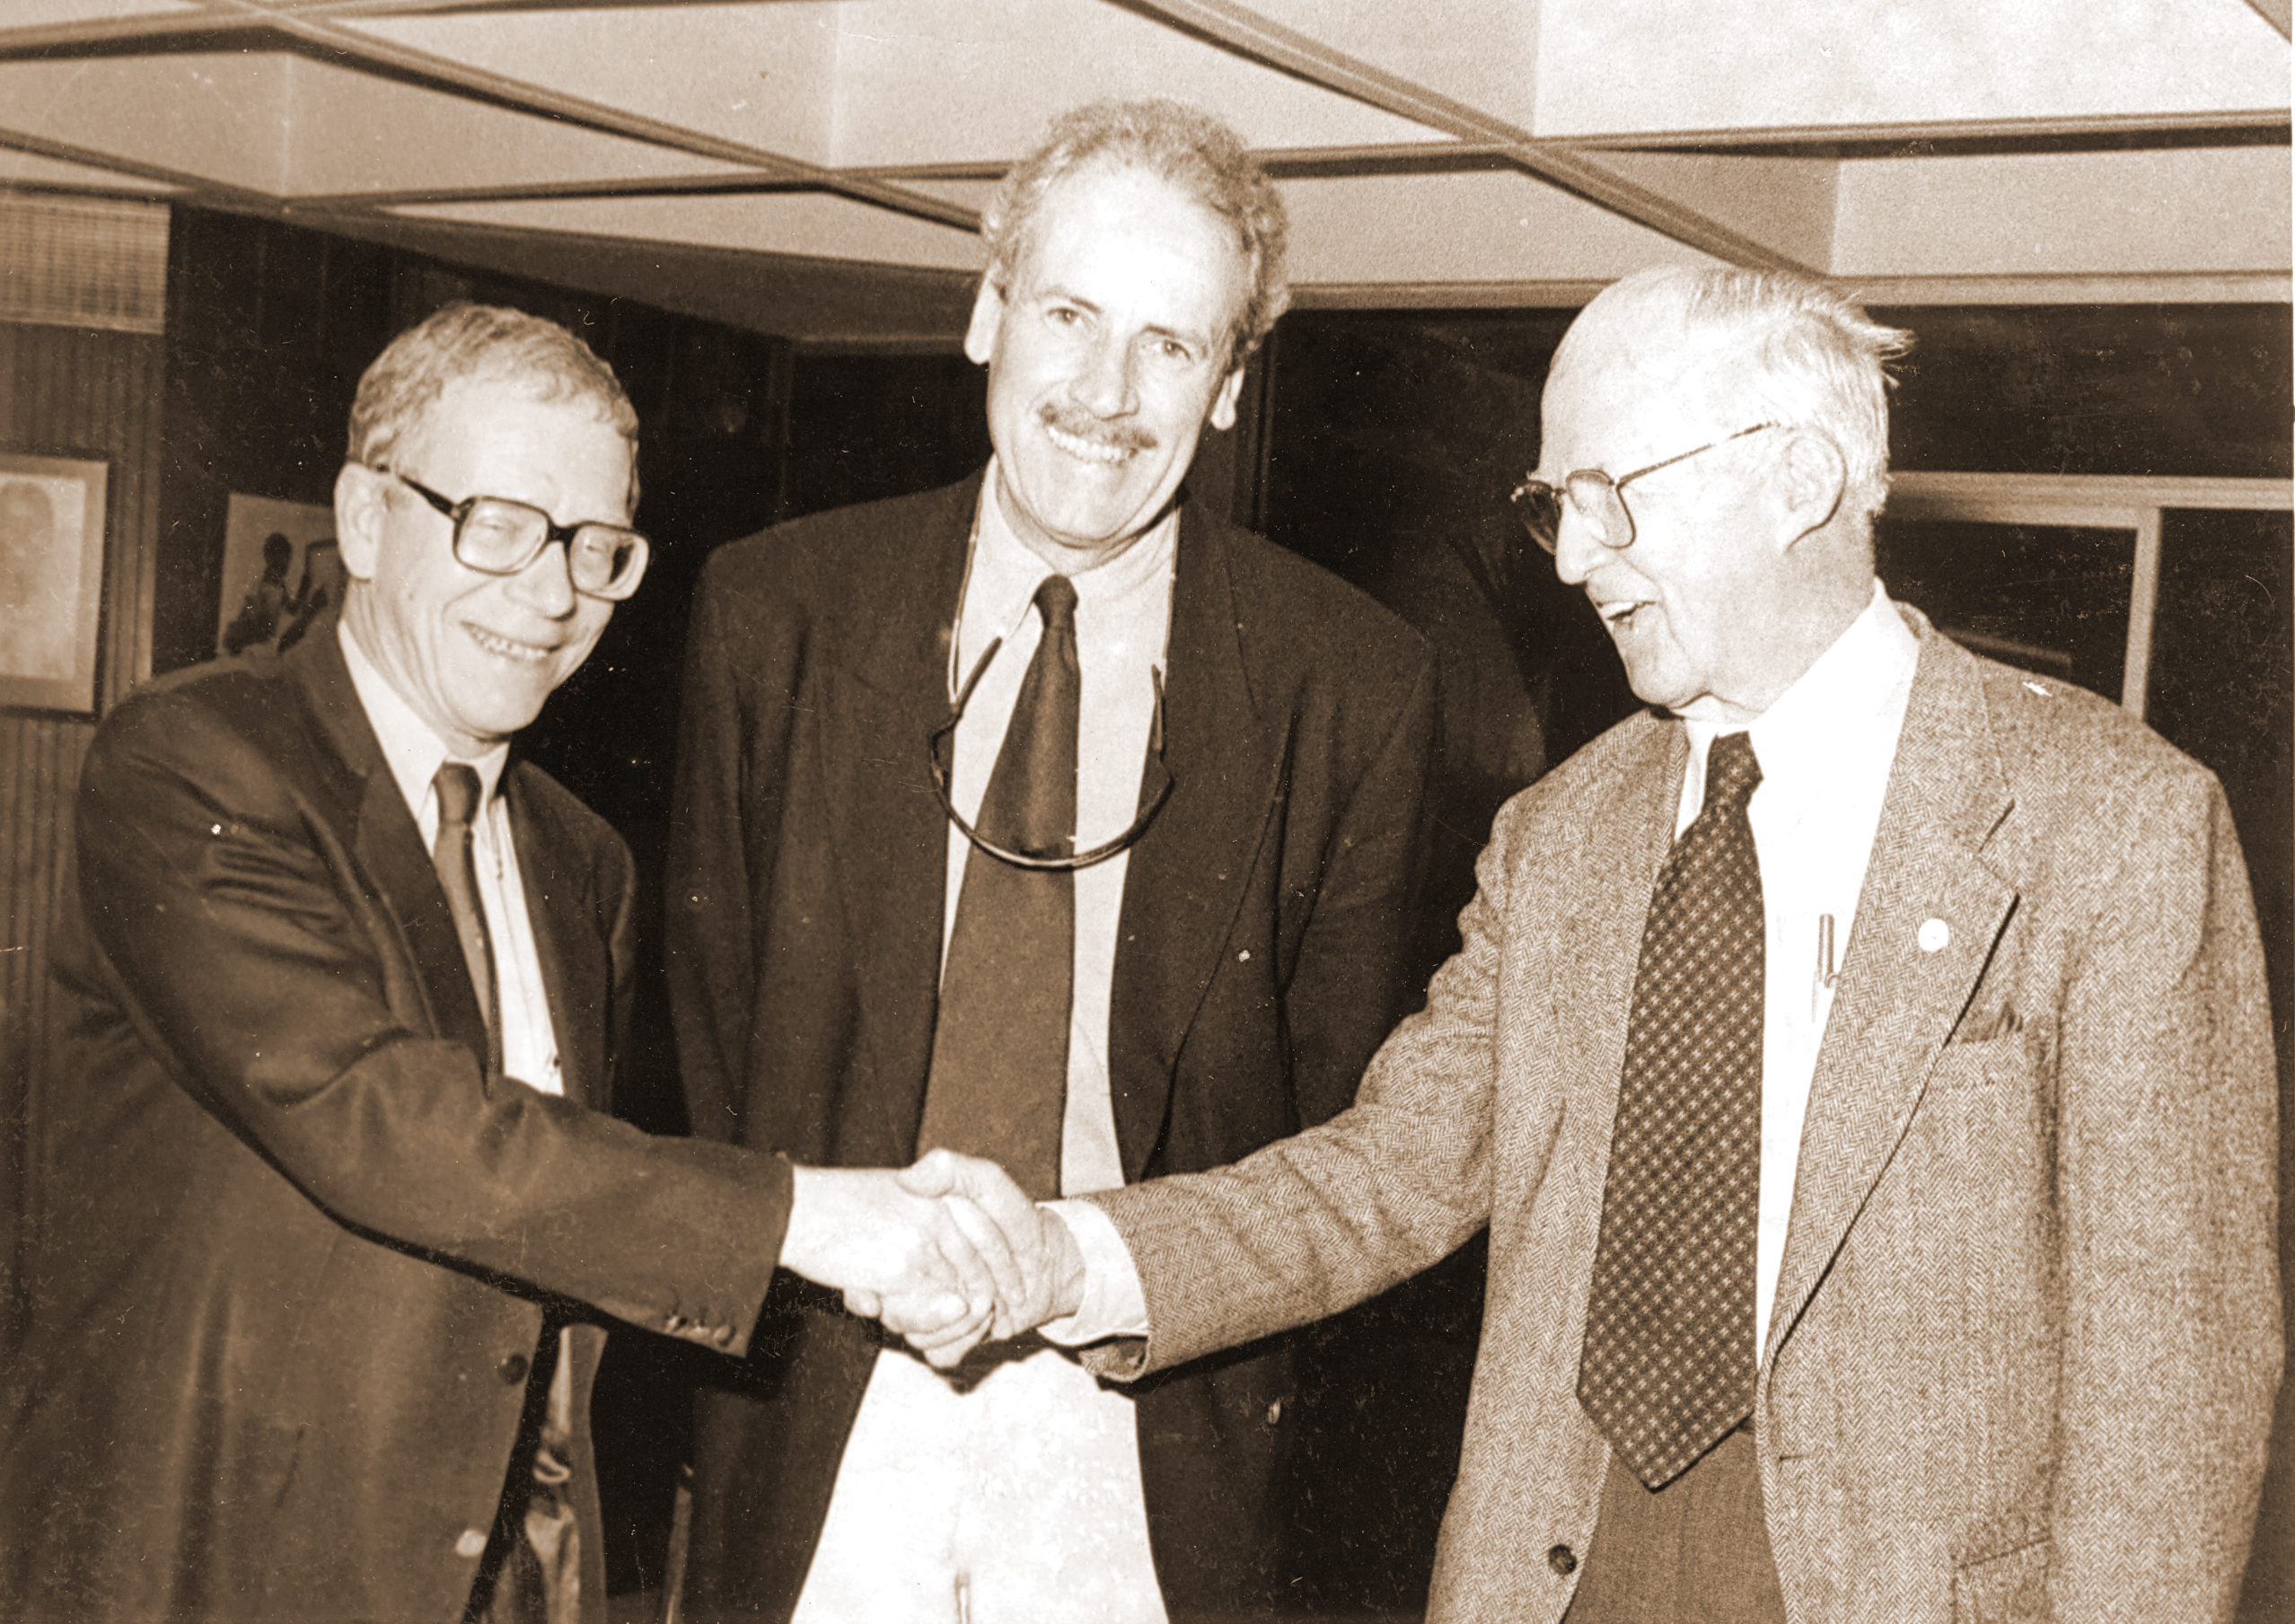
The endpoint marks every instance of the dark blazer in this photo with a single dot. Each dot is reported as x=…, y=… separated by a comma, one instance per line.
x=2027, y=1332
x=1263, y=924
x=292, y=1247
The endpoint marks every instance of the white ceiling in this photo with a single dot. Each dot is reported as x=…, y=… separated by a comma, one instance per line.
x=1432, y=151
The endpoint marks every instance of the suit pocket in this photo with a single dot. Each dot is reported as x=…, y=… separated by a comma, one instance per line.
x=2008, y=1587
x=1987, y=1064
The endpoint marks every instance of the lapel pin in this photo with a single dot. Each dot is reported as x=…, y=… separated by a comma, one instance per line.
x=1934, y=934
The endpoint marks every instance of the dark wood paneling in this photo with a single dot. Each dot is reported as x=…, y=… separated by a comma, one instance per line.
x=96, y=392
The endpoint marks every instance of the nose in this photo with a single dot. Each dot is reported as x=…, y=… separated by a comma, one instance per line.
x=1105, y=384
x=1576, y=550
x=546, y=586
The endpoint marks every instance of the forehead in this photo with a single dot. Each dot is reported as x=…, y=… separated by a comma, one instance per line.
x=1122, y=230
x=504, y=435
x=1626, y=385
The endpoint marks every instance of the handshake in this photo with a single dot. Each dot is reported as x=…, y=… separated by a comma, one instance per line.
x=947, y=1253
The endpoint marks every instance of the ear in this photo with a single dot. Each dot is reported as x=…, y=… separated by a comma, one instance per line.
x=361, y=494
x=988, y=319
x=1223, y=403
x=1812, y=479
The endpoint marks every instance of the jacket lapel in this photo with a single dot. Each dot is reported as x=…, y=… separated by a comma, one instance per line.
x=1186, y=877
x=572, y=952
x=389, y=847
x=1898, y=998
x=1616, y=862
x=888, y=831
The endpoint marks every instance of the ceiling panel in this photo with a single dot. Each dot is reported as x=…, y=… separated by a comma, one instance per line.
x=762, y=76
x=800, y=223
x=357, y=132
x=1495, y=225
x=2125, y=214
x=1470, y=52
x=1431, y=149
x=965, y=81
x=1721, y=65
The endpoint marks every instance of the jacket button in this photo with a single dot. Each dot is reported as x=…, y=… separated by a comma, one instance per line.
x=512, y=1370
x=1562, y=1560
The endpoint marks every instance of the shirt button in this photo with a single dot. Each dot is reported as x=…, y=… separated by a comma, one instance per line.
x=1562, y=1560
x=472, y=1544
x=512, y=1370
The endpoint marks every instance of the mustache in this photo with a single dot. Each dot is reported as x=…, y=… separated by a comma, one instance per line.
x=1084, y=426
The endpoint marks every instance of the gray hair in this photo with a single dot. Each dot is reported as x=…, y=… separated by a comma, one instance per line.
x=463, y=342
x=1789, y=350
x=1181, y=144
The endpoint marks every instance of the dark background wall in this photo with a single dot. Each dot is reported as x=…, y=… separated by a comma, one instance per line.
x=1380, y=443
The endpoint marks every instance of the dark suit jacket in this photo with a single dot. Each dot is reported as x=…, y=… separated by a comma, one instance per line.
x=1264, y=922
x=292, y=1247
x=2027, y=1332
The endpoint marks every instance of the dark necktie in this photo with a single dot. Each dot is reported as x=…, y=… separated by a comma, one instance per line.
x=456, y=786
x=999, y=1085
x=1668, y=1363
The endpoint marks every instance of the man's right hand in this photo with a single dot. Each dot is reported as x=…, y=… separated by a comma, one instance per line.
x=939, y=1267
x=1001, y=1221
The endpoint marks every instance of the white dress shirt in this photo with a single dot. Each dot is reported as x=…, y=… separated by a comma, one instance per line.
x=1825, y=748
x=1011, y=1495
x=529, y=1040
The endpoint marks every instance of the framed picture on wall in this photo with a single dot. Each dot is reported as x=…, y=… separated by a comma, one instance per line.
x=51, y=579
x=283, y=576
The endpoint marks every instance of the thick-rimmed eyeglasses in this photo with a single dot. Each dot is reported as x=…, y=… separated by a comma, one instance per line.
x=1155, y=789
x=1599, y=499
x=498, y=536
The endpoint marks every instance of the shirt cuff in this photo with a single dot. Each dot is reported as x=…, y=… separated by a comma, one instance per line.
x=1113, y=1303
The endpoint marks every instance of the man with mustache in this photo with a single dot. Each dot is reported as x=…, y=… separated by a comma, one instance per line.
x=1051, y=818
x=1861, y=1058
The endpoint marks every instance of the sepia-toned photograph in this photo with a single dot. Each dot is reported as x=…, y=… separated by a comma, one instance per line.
x=1147, y=811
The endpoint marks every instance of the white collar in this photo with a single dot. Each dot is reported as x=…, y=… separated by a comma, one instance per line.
x=413, y=751
x=1830, y=706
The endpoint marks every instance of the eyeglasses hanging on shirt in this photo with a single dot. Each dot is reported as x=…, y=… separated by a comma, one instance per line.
x=1155, y=788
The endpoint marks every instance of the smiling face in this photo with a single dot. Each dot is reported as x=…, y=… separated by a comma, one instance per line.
x=1106, y=356
x=474, y=656
x=1695, y=604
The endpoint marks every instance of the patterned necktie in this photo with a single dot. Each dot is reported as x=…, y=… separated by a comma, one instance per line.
x=999, y=1085
x=1668, y=1363
x=456, y=787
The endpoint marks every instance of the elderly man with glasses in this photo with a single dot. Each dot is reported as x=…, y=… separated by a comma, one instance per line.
x=326, y=1214
x=1051, y=817
x=1861, y=1059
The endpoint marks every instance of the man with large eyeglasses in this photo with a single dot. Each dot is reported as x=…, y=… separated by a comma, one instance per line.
x=1048, y=817
x=1861, y=1059
x=330, y=1214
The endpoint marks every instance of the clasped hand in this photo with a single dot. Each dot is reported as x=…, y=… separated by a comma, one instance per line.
x=946, y=1253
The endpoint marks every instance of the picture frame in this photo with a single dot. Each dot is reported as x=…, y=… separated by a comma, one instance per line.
x=55, y=532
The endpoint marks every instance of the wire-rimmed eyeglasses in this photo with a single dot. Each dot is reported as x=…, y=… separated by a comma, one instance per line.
x=1599, y=499
x=498, y=536
x=1155, y=789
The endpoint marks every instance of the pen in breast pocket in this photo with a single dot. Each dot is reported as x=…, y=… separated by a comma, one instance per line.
x=1826, y=972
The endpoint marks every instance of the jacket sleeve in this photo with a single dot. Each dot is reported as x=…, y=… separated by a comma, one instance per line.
x=2172, y=1332
x=1314, y=1223
x=255, y=958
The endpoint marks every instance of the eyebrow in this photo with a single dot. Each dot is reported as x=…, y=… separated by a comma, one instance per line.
x=1055, y=292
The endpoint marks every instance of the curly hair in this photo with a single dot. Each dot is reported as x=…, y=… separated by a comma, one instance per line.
x=1181, y=144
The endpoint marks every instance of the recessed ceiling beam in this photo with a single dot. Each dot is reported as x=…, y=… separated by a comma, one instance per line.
x=367, y=51
x=1248, y=34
